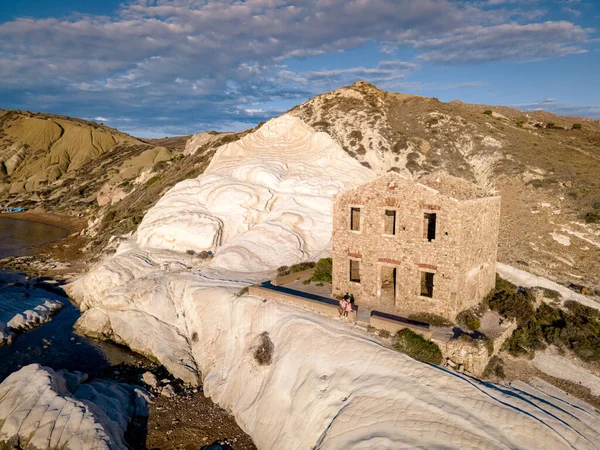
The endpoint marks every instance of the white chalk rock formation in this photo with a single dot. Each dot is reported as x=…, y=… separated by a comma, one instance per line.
x=43, y=409
x=35, y=317
x=265, y=201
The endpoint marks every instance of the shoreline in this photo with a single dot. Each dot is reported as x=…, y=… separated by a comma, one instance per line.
x=64, y=252
x=69, y=223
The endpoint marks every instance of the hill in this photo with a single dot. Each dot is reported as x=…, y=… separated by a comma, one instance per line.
x=546, y=167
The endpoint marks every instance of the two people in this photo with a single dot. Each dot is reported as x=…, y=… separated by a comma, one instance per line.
x=346, y=305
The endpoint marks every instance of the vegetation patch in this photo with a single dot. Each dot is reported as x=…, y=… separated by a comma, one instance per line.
x=263, y=352
x=384, y=334
x=323, y=269
x=488, y=112
x=432, y=319
x=417, y=347
x=469, y=319
x=152, y=180
x=575, y=328
x=243, y=292
x=591, y=217
x=551, y=294
x=494, y=369
x=285, y=270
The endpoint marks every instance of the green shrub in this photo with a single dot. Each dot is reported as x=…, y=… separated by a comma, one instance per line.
x=301, y=267
x=468, y=319
x=582, y=310
x=488, y=112
x=576, y=126
x=472, y=322
x=152, y=180
x=432, y=319
x=520, y=123
x=285, y=270
x=371, y=329
x=320, y=284
x=591, y=217
x=384, y=334
x=576, y=328
x=551, y=294
x=415, y=346
x=306, y=282
x=550, y=125
x=323, y=269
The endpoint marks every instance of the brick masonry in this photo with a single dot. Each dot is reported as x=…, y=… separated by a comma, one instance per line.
x=462, y=256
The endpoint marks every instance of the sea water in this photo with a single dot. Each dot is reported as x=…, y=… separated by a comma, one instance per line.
x=53, y=344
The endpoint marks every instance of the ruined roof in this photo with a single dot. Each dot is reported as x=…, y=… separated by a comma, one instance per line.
x=454, y=187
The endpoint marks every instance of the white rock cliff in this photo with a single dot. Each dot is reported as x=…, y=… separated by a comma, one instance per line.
x=265, y=201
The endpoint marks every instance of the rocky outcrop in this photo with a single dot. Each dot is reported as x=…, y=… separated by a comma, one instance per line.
x=45, y=409
x=265, y=201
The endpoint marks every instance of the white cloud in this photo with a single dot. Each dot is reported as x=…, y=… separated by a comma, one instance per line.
x=224, y=56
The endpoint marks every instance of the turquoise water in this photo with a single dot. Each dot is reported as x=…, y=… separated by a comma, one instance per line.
x=17, y=236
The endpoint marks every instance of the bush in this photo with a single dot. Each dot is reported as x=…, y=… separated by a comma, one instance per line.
x=432, y=319
x=576, y=328
x=551, y=294
x=488, y=112
x=322, y=272
x=242, y=292
x=520, y=123
x=591, y=217
x=371, y=329
x=415, y=346
x=152, y=180
x=306, y=282
x=469, y=319
x=495, y=368
x=205, y=255
x=576, y=126
x=384, y=334
x=285, y=270
x=263, y=352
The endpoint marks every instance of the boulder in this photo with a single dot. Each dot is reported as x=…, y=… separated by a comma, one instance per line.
x=45, y=409
x=150, y=379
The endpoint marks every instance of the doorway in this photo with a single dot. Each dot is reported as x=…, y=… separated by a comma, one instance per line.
x=388, y=285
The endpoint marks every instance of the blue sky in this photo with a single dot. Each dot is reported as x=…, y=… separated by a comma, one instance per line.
x=167, y=67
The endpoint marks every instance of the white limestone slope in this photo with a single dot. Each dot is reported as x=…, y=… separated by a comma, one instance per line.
x=44, y=409
x=265, y=201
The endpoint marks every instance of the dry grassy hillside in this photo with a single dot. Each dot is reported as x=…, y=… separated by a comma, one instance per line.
x=81, y=168
x=38, y=149
x=546, y=167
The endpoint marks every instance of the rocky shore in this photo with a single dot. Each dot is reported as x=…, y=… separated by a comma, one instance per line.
x=179, y=416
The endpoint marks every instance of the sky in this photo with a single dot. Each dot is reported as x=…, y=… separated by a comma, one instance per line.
x=155, y=68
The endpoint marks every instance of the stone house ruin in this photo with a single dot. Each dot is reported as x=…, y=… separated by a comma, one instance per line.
x=405, y=247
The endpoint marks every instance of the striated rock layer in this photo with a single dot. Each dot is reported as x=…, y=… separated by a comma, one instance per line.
x=265, y=201
x=44, y=409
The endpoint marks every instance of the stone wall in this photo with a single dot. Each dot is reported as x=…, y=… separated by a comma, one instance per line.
x=314, y=305
x=462, y=256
